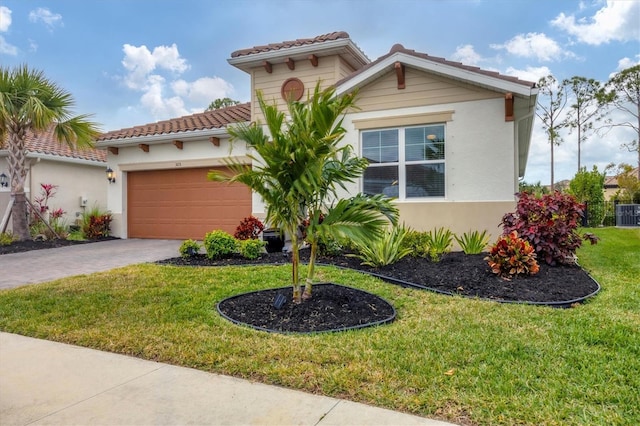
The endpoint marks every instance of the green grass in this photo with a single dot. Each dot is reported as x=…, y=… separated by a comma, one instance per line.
x=446, y=357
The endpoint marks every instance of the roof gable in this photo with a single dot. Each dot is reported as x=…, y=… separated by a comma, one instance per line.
x=456, y=70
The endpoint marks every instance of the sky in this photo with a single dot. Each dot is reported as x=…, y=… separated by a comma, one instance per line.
x=132, y=62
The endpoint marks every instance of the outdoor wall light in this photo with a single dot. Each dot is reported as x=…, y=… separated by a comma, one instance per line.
x=4, y=180
x=111, y=175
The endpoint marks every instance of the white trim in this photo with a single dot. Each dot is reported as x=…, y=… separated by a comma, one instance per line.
x=383, y=66
x=60, y=158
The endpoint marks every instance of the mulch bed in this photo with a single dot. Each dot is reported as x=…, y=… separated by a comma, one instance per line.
x=336, y=307
x=28, y=245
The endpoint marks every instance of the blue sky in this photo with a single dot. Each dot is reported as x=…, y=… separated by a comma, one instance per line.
x=132, y=62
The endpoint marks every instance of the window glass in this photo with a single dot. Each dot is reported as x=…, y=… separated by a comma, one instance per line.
x=425, y=180
x=380, y=146
x=381, y=180
x=405, y=162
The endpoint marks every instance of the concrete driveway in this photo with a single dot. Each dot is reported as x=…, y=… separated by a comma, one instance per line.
x=45, y=265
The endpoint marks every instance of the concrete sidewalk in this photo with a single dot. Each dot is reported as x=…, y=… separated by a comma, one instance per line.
x=49, y=383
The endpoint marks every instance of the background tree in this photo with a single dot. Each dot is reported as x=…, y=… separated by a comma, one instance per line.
x=298, y=166
x=585, y=110
x=29, y=102
x=623, y=94
x=588, y=187
x=551, y=103
x=221, y=103
x=533, y=188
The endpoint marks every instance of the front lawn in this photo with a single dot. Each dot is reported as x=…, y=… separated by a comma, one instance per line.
x=463, y=360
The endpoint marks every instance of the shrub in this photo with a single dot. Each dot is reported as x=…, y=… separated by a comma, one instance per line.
x=6, y=238
x=251, y=249
x=439, y=242
x=473, y=242
x=189, y=248
x=96, y=223
x=218, y=244
x=330, y=246
x=249, y=229
x=385, y=250
x=549, y=224
x=418, y=242
x=511, y=256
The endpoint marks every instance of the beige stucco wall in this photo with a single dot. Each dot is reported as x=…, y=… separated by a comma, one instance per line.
x=74, y=180
x=329, y=70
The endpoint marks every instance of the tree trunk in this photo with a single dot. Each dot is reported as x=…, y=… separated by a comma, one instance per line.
x=311, y=270
x=295, y=264
x=19, y=216
x=17, y=159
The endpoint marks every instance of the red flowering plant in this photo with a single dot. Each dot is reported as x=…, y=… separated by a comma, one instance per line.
x=56, y=226
x=249, y=229
x=549, y=223
x=511, y=256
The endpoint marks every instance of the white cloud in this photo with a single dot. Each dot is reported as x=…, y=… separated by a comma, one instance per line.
x=6, y=48
x=140, y=62
x=44, y=15
x=534, y=45
x=616, y=21
x=532, y=74
x=154, y=73
x=203, y=90
x=467, y=55
x=5, y=18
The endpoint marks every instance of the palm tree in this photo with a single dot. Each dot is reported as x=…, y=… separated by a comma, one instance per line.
x=298, y=168
x=31, y=102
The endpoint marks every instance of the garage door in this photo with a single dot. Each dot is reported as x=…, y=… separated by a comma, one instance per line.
x=182, y=204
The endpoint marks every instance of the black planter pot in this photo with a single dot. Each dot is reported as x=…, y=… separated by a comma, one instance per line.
x=273, y=238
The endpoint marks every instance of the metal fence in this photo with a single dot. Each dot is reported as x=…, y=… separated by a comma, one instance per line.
x=611, y=213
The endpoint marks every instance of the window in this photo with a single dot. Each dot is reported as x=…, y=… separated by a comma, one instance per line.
x=406, y=162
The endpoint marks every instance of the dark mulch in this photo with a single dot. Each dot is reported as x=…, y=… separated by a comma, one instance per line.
x=28, y=245
x=332, y=308
x=456, y=274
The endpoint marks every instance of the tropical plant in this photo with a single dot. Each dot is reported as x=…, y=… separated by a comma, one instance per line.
x=96, y=223
x=473, y=242
x=251, y=248
x=511, y=256
x=218, y=244
x=298, y=166
x=189, y=248
x=384, y=250
x=6, y=238
x=549, y=224
x=439, y=242
x=30, y=103
x=249, y=229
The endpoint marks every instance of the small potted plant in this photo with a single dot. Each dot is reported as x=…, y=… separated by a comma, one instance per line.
x=274, y=239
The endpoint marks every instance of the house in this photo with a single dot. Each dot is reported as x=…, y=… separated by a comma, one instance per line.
x=79, y=175
x=611, y=186
x=449, y=141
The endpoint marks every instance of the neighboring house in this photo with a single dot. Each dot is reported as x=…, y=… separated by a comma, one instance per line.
x=78, y=174
x=450, y=141
x=611, y=184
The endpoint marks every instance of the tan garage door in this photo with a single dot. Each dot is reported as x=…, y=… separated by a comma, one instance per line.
x=182, y=203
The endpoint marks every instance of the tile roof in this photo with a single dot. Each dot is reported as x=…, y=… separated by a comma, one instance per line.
x=292, y=43
x=401, y=49
x=612, y=181
x=47, y=143
x=215, y=119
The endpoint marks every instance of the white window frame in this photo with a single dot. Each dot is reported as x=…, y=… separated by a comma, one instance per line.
x=402, y=163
